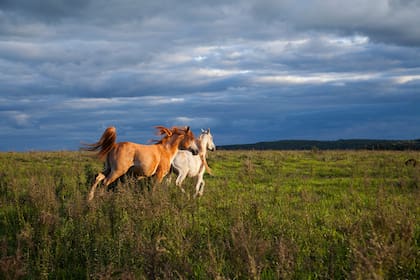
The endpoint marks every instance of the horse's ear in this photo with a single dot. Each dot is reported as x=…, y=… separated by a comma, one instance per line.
x=208, y=130
x=203, y=131
x=187, y=128
x=168, y=131
x=164, y=130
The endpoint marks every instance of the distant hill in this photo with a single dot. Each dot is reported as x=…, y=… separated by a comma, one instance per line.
x=350, y=144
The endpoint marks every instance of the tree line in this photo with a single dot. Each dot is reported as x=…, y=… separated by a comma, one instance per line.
x=346, y=144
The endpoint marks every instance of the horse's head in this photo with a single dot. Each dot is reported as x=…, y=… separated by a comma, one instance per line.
x=207, y=139
x=182, y=137
x=188, y=142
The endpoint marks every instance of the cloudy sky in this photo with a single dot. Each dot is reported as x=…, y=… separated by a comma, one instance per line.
x=251, y=70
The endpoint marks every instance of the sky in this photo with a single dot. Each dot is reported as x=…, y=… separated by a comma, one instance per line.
x=251, y=70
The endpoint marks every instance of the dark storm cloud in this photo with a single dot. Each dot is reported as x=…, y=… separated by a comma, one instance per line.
x=43, y=8
x=250, y=70
x=389, y=21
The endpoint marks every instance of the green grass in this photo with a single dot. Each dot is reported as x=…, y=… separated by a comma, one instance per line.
x=264, y=215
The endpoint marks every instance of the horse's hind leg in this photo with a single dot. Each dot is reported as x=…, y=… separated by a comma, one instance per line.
x=114, y=175
x=180, y=179
x=98, y=179
x=108, y=179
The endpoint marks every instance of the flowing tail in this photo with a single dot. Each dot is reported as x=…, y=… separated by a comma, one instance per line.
x=105, y=144
x=206, y=166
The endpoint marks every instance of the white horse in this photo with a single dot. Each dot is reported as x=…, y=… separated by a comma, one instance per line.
x=186, y=164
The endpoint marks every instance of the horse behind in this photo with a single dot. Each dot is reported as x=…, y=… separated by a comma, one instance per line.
x=186, y=164
x=142, y=160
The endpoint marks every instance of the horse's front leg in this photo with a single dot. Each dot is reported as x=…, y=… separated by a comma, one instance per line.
x=199, y=187
x=172, y=170
x=161, y=172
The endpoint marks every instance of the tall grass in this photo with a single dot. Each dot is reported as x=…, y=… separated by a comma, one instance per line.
x=264, y=215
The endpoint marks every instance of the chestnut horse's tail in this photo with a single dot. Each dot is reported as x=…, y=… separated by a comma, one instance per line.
x=105, y=143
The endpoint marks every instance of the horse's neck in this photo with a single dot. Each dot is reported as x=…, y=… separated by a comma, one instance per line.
x=202, y=144
x=172, y=145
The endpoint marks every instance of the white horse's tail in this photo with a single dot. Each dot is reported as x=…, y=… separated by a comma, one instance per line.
x=206, y=166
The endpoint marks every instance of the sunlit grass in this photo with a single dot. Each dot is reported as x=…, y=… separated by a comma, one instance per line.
x=269, y=215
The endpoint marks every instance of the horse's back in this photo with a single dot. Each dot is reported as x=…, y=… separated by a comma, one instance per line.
x=147, y=158
x=128, y=154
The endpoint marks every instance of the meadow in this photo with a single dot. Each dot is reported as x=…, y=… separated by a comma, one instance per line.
x=264, y=215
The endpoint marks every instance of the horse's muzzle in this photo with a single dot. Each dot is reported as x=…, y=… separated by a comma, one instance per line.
x=193, y=151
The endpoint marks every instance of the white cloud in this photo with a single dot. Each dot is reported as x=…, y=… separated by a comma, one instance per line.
x=200, y=58
x=15, y=119
x=21, y=119
x=220, y=73
x=194, y=122
x=316, y=78
x=351, y=41
x=117, y=102
x=406, y=79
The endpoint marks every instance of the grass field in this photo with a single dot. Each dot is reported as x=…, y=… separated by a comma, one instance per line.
x=264, y=215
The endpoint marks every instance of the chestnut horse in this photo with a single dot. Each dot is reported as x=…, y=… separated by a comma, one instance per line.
x=143, y=160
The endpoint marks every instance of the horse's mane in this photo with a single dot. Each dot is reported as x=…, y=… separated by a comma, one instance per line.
x=168, y=132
